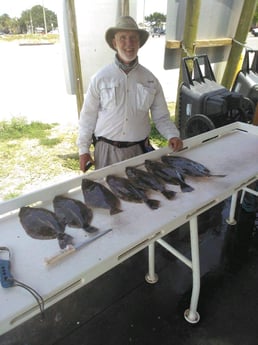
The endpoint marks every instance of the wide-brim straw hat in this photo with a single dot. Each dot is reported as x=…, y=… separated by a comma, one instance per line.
x=125, y=23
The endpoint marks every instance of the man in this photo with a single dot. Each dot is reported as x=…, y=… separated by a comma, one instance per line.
x=118, y=101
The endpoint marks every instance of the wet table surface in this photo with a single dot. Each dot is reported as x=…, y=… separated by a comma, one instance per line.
x=231, y=150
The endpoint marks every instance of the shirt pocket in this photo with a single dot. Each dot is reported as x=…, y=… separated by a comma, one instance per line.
x=108, y=95
x=145, y=96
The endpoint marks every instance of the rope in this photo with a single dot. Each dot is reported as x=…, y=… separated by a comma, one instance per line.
x=185, y=50
x=242, y=44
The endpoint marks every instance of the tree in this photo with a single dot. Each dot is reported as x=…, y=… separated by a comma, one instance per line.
x=156, y=19
x=29, y=20
x=14, y=26
x=5, y=22
x=34, y=18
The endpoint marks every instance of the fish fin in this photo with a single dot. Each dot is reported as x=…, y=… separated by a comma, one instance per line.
x=115, y=211
x=91, y=229
x=169, y=194
x=153, y=204
x=64, y=240
x=186, y=188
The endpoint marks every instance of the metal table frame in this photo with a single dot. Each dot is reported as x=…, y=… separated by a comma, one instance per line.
x=191, y=314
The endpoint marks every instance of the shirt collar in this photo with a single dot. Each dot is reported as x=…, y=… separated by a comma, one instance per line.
x=126, y=67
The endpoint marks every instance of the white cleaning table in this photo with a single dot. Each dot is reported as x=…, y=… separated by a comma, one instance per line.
x=231, y=150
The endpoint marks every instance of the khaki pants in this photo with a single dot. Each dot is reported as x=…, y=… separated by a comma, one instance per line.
x=106, y=154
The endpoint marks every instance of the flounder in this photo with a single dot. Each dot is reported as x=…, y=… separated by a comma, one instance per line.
x=168, y=174
x=43, y=224
x=125, y=190
x=187, y=166
x=97, y=195
x=74, y=213
x=145, y=180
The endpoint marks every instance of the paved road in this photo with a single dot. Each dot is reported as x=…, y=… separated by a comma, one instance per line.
x=33, y=83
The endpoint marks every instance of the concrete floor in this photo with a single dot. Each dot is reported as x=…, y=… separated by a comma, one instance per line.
x=120, y=308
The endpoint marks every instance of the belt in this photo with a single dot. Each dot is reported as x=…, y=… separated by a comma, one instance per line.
x=120, y=144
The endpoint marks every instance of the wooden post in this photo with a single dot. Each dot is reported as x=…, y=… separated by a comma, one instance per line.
x=188, y=48
x=255, y=118
x=75, y=51
x=125, y=8
x=243, y=27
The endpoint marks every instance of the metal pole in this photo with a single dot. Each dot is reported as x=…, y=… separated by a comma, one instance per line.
x=31, y=24
x=175, y=252
x=44, y=16
x=151, y=277
x=231, y=219
x=191, y=314
x=244, y=23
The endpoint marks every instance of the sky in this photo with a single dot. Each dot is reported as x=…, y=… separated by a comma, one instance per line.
x=14, y=8
x=152, y=6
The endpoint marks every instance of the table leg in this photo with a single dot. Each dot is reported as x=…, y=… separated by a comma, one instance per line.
x=151, y=277
x=191, y=314
x=231, y=220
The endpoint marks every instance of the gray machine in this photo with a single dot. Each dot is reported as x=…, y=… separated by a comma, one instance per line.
x=246, y=81
x=204, y=104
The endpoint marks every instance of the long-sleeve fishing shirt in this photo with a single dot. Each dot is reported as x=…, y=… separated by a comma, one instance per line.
x=117, y=106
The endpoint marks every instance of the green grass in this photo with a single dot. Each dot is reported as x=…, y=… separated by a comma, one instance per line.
x=50, y=142
x=32, y=154
x=31, y=38
x=18, y=128
x=157, y=139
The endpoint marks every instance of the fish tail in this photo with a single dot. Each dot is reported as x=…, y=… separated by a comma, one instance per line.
x=153, y=204
x=64, y=240
x=115, y=210
x=169, y=194
x=91, y=229
x=186, y=188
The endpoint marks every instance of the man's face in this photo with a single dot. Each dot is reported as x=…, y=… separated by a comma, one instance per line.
x=127, y=44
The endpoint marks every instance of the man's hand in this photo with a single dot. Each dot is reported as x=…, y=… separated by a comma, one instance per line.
x=84, y=160
x=176, y=143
